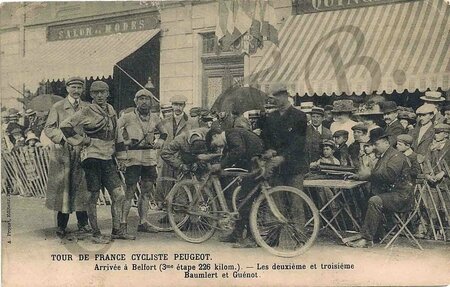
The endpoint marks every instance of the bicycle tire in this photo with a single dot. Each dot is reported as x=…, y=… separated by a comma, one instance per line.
x=157, y=217
x=181, y=225
x=272, y=244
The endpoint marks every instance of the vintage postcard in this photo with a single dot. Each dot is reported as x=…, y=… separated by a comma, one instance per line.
x=225, y=143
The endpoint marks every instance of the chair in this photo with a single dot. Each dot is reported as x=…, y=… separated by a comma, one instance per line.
x=401, y=220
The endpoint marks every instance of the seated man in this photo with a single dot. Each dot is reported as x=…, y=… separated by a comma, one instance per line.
x=391, y=186
x=239, y=147
x=404, y=143
x=341, y=153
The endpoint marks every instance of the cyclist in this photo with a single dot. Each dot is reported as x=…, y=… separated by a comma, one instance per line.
x=239, y=147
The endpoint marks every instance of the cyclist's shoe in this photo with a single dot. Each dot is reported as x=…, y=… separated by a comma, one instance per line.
x=61, y=233
x=100, y=239
x=246, y=243
x=361, y=243
x=145, y=227
x=122, y=233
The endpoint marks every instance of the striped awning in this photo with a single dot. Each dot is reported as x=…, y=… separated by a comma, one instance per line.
x=368, y=50
x=95, y=56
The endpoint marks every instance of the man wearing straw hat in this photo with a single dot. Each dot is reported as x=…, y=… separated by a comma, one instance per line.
x=434, y=98
x=423, y=133
x=66, y=187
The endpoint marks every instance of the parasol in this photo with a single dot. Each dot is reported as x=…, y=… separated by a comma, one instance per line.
x=239, y=100
x=43, y=103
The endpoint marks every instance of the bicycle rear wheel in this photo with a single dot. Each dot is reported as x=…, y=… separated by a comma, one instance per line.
x=190, y=210
x=284, y=221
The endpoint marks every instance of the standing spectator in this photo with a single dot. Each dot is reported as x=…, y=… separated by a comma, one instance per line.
x=407, y=120
x=66, y=188
x=317, y=119
x=315, y=134
x=435, y=99
x=139, y=154
x=97, y=133
x=174, y=125
x=166, y=111
x=285, y=131
x=423, y=133
x=341, y=153
x=393, y=126
x=328, y=116
x=356, y=149
x=342, y=110
x=447, y=114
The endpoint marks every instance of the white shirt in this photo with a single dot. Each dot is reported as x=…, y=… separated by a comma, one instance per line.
x=423, y=130
x=346, y=126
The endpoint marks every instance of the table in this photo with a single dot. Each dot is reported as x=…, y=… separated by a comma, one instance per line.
x=339, y=188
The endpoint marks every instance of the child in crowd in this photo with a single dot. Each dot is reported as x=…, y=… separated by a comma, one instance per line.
x=341, y=153
x=328, y=148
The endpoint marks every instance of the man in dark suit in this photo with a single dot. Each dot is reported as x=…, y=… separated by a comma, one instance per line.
x=423, y=133
x=391, y=185
x=239, y=147
x=284, y=131
x=393, y=126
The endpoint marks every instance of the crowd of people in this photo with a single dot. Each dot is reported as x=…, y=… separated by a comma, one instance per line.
x=387, y=145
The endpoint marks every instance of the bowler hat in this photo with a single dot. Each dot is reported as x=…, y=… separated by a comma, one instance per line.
x=179, y=99
x=433, y=96
x=389, y=107
x=75, y=80
x=343, y=106
x=376, y=134
x=339, y=133
x=442, y=128
x=99, y=86
x=360, y=127
x=405, y=138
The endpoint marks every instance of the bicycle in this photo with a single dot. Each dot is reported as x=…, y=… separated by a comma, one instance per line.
x=196, y=209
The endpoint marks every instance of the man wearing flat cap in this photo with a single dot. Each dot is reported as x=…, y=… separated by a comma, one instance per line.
x=390, y=184
x=66, y=188
x=403, y=145
x=356, y=149
x=393, y=126
x=435, y=99
x=179, y=123
x=94, y=129
x=315, y=134
x=284, y=131
x=437, y=173
x=423, y=133
x=342, y=111
x=341, y=153
x=137, y=149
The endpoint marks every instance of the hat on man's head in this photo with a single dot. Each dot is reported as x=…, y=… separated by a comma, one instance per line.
x=425, y=109
x=31, y=136
x=405, y=138
x=343, y=106
x=143, y=93
x=317, y=111
x=389, y=107
x=13, y=113
x=328, y=108
x=360, y=127
x=403, y=115
x=178, y=99
x=433, y=96
x=278, y=89
x=329, y=143
x=75, y=80
x=339, y=133
x=306, y=106
x=99, y=86
x=442, y=128
x=30, y=112
x=194, y=112
x=376, y=134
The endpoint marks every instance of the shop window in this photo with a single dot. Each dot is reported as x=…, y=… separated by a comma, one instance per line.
x=220, y=70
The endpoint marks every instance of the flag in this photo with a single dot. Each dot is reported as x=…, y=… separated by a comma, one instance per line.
x=237, y=17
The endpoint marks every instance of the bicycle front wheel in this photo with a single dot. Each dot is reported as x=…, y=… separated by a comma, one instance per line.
x=191, y=211
x=284, y=221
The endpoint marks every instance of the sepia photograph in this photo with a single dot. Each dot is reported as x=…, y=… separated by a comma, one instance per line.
x=225, y=143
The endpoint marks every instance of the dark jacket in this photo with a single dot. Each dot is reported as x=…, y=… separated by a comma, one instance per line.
x=313, y=142
x=354, y=151
x=425, y=142
x=342, y=154
x=394, y=130
x=287, y=135
x=414, y=165
x=392, y=174
x=242, y=145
